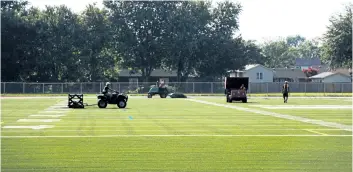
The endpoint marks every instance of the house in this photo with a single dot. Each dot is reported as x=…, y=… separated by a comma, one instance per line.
x=290, y=75
x=342, y=71
x=301, y=63
x=331, y=77
x=126, y=75
x=256, y=73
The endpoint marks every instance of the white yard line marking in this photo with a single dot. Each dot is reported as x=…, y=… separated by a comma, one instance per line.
x=304, y=106
x=112, y=136
x=295, y=118
x=53, y=112
x=57, y=108
x=37, y=127
x=191, y=125
x=313, y=131
x=235, y=129
x=54, y=116
x=38, y=120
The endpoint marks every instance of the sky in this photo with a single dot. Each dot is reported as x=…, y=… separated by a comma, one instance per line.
x=261, y=20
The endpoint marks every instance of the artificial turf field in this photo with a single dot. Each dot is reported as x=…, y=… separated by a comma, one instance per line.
x=177, y=135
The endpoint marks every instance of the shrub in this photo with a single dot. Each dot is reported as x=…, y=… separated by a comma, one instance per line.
x=310, y=72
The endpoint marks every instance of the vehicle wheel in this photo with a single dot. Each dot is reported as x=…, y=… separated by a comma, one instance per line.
x=163, y=95
x=245, y=100
x=149, y=96
x=121, y=104
x=102, y=104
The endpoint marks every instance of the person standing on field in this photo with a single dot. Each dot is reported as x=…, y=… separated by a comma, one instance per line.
x=285, y=91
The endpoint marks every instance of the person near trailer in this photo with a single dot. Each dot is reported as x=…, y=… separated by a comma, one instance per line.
x=242, y=87
x=162, y=84
x=285, y=91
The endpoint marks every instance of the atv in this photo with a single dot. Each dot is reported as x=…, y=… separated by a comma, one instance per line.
x=162, y=91
x=117, y=98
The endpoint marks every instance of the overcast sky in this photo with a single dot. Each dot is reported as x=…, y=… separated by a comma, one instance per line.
x=261, y=19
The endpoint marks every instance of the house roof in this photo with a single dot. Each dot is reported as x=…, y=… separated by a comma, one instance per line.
x=322, y=75
x=327, y=74
x=252, y=66
x=342, y=71
x=307, y=62
x=154, y=73
x=288, y=73
x=248, y=67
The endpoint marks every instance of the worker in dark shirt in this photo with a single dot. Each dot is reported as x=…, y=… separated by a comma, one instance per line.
x=242, y=87
x=285, y=91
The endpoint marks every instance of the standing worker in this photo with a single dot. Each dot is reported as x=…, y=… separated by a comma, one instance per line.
x=285, y=91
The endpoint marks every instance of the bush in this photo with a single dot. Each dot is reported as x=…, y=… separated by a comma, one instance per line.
x=311, y=72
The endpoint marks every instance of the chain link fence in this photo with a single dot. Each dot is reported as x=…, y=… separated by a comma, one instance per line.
x=183, y=87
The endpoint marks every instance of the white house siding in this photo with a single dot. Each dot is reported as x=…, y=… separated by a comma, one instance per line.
x=337, y=78
x=252, y=74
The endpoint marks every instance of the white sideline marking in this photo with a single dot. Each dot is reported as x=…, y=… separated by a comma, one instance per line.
x=37, y=127
x=304, y=106
x=38, y=120
x=57, y=108
x=313, y=131
x=295, y=118
x=53, y=112
x=237, y=129
x=111, y=136
x=55, y=116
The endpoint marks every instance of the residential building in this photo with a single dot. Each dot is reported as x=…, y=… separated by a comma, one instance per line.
x=126, y=75
x=256, y=73
x=331, y=77
x=290, y=75
x=301, y=63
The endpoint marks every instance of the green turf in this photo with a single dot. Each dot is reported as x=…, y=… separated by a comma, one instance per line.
x=86, y=151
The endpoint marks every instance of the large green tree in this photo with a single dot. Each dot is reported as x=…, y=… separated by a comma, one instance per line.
x=337, y=48
x=138, y=28
x=97, y=51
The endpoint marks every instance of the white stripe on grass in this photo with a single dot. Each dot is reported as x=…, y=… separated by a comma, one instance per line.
x=290, y=117
x=191, y=130
x=194, y=135
x=38, y=120
x=313, y=131
x=304, y=106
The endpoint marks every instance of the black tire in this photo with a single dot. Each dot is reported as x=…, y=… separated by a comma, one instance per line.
x=163, y=95
x=102, y=104
x=149, y=96
x=121, y=104
x=245, y=100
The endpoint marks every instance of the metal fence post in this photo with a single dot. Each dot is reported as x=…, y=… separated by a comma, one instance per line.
x=305, y=88
x=211, y=87
x=267, y=88
x=324, y=89
x=119, y=87
x=62, y=88
x=23, y=87
x=81, y=87
x=43, y=88
x=342, y=88
x=4, y=87
x=193, y=87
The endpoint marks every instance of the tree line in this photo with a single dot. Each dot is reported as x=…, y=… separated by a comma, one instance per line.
x=191, y=37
